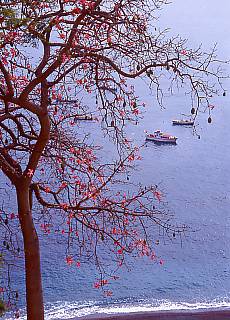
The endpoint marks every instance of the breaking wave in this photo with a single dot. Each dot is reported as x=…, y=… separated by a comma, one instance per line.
x=68, y=310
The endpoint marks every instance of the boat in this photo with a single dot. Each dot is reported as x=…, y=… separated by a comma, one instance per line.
x=161, y=137
x=183, y=122
x=83, y=117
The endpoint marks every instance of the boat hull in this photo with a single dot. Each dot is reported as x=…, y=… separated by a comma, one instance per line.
x=182, y=123
x=161, y=140
x=83, y=118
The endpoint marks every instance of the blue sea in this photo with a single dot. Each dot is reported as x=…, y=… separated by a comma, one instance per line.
x=195, y=178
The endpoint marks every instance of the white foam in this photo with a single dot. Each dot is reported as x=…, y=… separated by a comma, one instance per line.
x=66, y=310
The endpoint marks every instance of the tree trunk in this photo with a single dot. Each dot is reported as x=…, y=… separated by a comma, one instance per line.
x=34, y=295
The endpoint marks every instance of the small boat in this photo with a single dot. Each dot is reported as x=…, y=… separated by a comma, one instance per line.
x=159, y=136
x=83, y=117
x=183, y=122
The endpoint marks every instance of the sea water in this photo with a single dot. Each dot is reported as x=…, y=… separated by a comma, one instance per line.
x=194, y=176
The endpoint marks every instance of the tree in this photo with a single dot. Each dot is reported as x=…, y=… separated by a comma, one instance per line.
x=59, y=60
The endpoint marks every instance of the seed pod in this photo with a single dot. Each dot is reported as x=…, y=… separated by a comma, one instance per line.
x=134, y=105
x=193, y=111
x=209, y=119
x=63, y=165
x=149, y=73
x=224, y=94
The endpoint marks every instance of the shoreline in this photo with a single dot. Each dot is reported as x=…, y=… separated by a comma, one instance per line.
x=162, y=315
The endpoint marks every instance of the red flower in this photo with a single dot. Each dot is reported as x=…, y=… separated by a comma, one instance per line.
x=12, y=216
x=131, y=157
x=108, y=293
x=47, y=189
x=161, y=262
x=76, y=10
x=120, y=251
x=158, y=195
x=30, y=173
x=69, y=260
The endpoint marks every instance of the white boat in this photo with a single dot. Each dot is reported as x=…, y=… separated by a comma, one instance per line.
x=159, y=136
x=183, y=122
x=83, y=117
